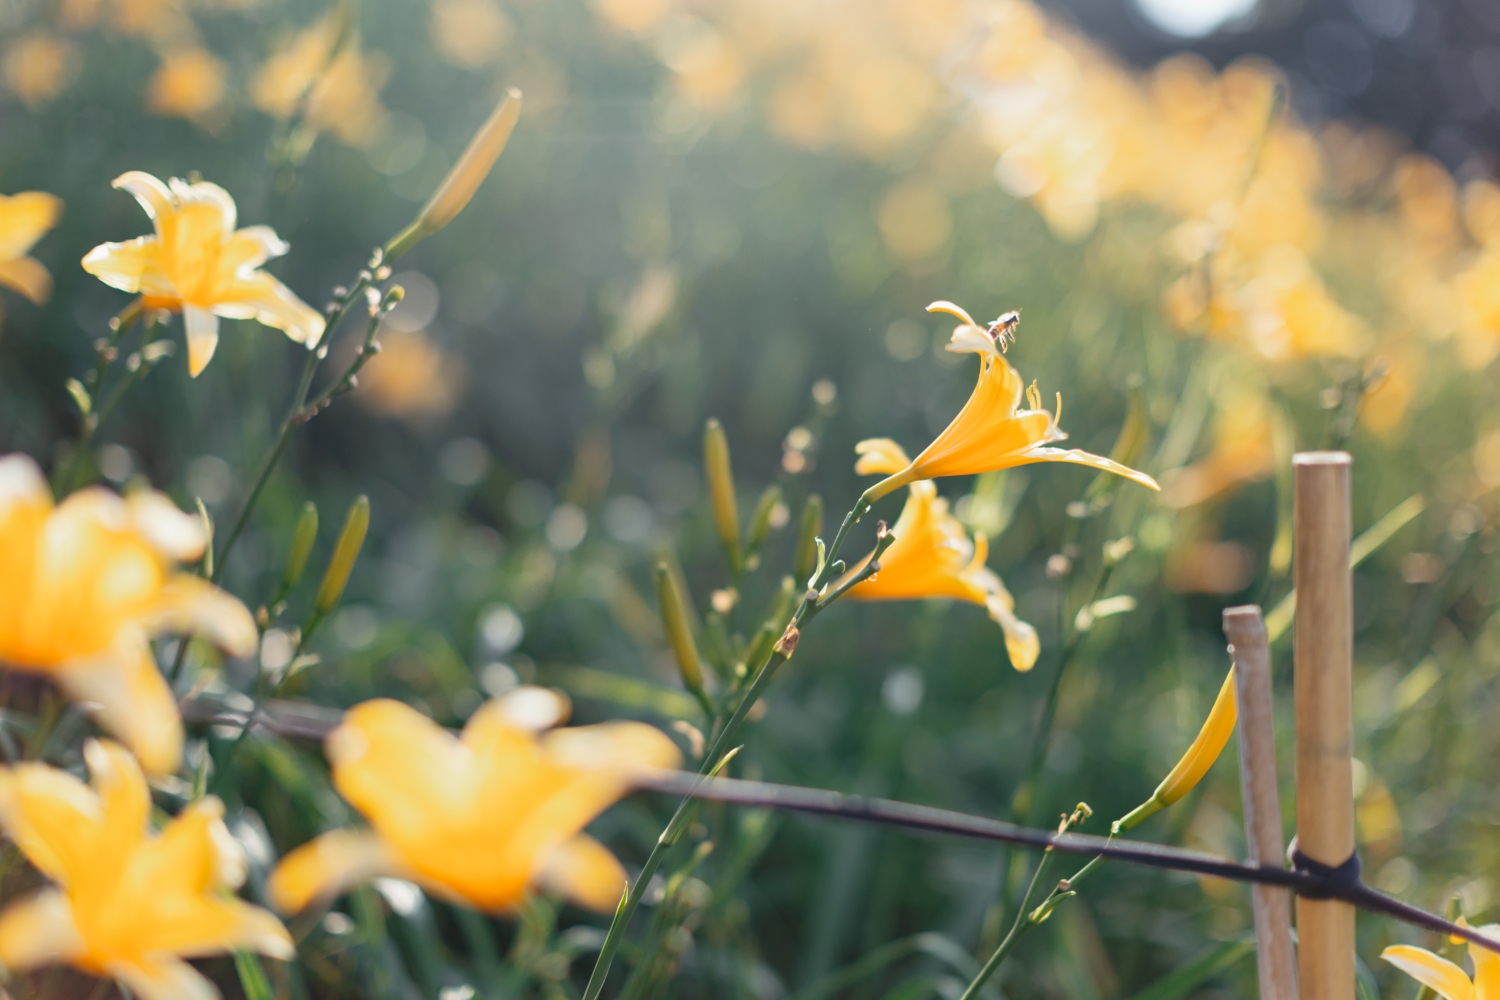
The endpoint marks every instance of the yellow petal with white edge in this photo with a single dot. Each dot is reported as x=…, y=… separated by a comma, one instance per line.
x=55, y=819
x=162, y=977
x=27, y=276
x=132, y=266
x=189, y=605
x=171, y=531
x=944, y=306
x=1021, y=640
x=22, y=482
x=202, y=337
x=879, y=456
x=24, y=218
x=153, y=195
x=123, y=798
x=529, y=708
x=329, y=865
x=260, y=297
x=1432, y=971
x=130, y=699
x=1078, y=457
x=1486, y=965
x=39, y=930
x=206, y=193
x=624, y=747
x=584, y=871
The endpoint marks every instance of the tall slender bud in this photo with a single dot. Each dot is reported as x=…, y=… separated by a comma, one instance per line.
x=720, y=474
x=674, y=619
x=1217, y=729
x=303, y=537
x=465, y=177
x=351, y=540
x=805, y=559
x=760, y=523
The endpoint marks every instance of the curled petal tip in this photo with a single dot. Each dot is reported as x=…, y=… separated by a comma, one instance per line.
x=944, y=306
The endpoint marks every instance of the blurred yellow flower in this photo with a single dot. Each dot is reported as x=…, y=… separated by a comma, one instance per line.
x=85, y=585
x=129, y=904
x=990, y=433
x=24, y=218
x=341, y=88
x=483, y=817
x=37, y=67
x=1446, y=979
x=189, y=84
x=1200, y=756
x=1242, y=449
x=411, y=378
x=199, y=264
x=915, y=220
x=932, y=556
x=469, y=32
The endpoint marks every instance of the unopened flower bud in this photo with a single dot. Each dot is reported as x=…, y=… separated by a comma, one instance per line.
x=674, y=619
x=303, y=537
x=1196, y=762
x=351, y=540
x=720, y=473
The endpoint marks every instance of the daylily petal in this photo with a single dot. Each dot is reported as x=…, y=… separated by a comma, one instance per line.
x=202, y=337
x=328, y=865
x=528, y=708
x=261, y=297
x=584, y=871
x=172, y=531
x=27, y=276
x=190, y=605
x=160, y=977
x=132, y=266
x=1021, y=640
x=154, y=196
x=132, y=700
x=623, y=747
x=1486, y=965
x=1079, y=457
x=38, y=930
x=944, y=306
x=1432, y=971
x=53, y=818
x=970, y=340
x=879, y=456
x=207, y=194
x=22, y=482
x=123, y=797
x=251, y=247
x=24, y=218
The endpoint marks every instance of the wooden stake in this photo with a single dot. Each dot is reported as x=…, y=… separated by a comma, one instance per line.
x=1324, y=655
x=1246, y=632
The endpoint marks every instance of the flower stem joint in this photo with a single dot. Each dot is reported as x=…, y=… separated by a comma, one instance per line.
x=787, y=644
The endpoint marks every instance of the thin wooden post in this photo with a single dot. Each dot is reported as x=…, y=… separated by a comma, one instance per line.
x=1324, y=663
x=1275, y=960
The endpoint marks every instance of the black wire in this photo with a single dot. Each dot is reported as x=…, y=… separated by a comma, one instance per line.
x=819, y=802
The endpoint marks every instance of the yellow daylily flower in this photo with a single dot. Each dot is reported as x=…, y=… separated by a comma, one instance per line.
x=127, y=904
x=198, y=264
x=339, y=91
x=85, y=585
x=932, y=556
x=1200, y=756
x=483, y=817
x=1447, y=979
x=24, y=218
x=990, y=432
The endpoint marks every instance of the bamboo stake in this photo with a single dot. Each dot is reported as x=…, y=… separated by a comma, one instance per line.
x=1275, y=960
x=1324, y=652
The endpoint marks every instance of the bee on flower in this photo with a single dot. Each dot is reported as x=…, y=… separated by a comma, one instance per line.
x=197, y=263
x=484, y=817
x=85, y=584
x=126, y=903
x=932, y=556
x=991, y=432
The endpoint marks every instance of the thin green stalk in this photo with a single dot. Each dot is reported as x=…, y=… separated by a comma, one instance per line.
x=812, y=603
x=1018, y=928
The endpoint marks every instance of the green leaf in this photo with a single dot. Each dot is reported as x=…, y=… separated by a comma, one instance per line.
x=1188, y=978
x=252, y=977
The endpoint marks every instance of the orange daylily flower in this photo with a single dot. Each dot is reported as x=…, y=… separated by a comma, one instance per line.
x=24, y=218
x=1446, y=979
x=198, y=264
x=84, y=585
x=128, y=904
x=990, y=432
x=932, y=556
x=483, y=817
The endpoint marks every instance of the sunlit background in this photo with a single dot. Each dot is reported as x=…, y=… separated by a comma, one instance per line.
x=1271, y=223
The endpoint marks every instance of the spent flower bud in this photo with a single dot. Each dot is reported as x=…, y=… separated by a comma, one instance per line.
x=804, y=561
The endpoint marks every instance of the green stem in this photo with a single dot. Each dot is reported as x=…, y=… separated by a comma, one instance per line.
x=1021, y=925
